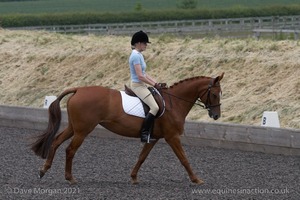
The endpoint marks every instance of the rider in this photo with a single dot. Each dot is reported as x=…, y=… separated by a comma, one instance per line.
x=140, y=80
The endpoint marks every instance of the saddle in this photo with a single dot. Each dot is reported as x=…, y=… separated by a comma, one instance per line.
x=157, y=96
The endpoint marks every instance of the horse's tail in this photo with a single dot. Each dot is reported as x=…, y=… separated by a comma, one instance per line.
x=43, y=143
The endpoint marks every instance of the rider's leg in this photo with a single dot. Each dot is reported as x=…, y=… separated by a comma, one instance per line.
x=145, y=95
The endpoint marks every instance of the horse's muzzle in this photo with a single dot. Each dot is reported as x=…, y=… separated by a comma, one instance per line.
x=213, y=115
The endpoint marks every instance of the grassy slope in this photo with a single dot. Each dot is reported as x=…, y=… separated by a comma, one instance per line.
x=259, y=75
x=53, y=6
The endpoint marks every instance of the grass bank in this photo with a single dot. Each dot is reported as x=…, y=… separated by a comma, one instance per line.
x=259, y=75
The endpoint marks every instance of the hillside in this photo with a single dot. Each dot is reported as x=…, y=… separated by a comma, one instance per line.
x=259, y=75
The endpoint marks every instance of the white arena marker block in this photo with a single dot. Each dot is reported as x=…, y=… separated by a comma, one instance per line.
x=48, y=100
x=270, y=119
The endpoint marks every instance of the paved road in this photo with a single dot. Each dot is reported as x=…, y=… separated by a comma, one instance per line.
x=102, y=166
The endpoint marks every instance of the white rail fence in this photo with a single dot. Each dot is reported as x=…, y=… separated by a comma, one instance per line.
x=247, y=26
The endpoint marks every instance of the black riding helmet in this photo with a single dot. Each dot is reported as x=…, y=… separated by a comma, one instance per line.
x=139, y=37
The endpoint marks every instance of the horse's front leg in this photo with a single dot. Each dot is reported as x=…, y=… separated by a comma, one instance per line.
x=175, y=144
x=142, y=157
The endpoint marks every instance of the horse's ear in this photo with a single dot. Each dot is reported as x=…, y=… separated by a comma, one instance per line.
x=219, y=78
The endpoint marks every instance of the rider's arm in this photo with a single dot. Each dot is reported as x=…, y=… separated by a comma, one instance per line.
x=143, y=78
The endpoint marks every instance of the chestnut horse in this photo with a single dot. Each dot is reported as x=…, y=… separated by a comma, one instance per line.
x=90, y=106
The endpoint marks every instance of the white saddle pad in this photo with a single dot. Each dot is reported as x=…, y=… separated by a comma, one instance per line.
x=132, y=105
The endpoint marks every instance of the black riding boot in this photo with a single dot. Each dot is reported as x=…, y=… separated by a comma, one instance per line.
x=147, y=128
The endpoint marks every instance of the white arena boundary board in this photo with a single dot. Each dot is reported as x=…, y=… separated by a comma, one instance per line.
x=219, y=135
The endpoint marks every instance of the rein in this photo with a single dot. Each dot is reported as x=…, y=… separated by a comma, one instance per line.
x=198, y=101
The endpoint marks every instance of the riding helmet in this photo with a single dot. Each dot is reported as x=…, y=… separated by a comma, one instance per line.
x=139, y=36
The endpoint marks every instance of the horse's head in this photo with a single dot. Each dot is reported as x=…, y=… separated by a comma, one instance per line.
x=211, y=98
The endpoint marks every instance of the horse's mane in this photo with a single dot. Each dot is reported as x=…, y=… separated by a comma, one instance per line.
x=187, y=79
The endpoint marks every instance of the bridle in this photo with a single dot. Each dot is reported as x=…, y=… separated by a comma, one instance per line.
x=207, y=105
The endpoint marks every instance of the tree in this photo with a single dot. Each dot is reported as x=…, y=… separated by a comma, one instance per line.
x=187, y=4
x=138, y=7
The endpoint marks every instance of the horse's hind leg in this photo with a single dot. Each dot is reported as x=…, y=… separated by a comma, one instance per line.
x=70, y=152
x=63, y=136
x=142, y=157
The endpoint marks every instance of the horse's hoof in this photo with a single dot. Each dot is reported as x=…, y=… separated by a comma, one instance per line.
x=41, y=174
x=199, y=182
x=134, y=181
x=73, y=182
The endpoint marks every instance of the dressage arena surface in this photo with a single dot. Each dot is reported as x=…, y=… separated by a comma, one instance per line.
x=103, y=166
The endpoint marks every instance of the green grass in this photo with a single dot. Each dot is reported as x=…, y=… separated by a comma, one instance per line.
x=62, y=6
x=72, y=12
